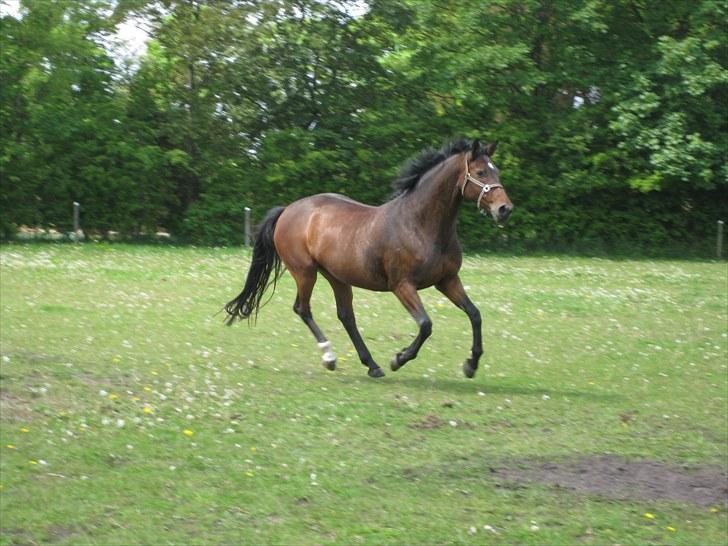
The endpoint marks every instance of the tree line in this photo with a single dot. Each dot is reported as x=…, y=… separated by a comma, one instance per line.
x=610, y=115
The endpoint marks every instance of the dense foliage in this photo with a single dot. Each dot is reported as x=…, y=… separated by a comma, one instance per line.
x=611, y=115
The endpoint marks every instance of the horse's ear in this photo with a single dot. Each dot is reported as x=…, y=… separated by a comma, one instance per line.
x=490, y=148
x=474, y=149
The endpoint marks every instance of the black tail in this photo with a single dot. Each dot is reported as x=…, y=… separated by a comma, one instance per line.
x=265, y=261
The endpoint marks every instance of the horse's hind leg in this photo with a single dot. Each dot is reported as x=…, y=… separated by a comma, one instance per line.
x=305, y=281
x=407, y=294
x=345, y=312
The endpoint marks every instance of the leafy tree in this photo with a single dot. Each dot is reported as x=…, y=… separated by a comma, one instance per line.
x=611, y=115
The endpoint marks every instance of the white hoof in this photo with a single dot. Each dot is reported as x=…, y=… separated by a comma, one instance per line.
x=328, y=357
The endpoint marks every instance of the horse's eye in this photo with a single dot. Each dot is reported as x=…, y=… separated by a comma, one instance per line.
x=480, y=173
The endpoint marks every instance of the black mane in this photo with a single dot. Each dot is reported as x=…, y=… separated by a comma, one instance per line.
x=413, y=170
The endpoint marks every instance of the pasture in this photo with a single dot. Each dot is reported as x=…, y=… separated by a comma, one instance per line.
x=131, y=415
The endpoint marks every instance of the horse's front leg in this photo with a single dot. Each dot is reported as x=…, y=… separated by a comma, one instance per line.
x=453, y=289
x=408, y=296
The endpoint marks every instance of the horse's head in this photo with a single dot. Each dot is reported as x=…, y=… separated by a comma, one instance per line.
x=481, y=183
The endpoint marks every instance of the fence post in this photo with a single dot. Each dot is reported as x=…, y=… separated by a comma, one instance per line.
x=719, y=249
x=76, y=220
x=248, y=237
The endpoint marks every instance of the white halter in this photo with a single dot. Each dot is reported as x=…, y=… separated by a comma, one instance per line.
x=484, y=188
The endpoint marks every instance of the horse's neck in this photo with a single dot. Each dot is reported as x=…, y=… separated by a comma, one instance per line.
x=435, y=202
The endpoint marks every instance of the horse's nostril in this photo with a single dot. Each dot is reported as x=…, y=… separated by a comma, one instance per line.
x=504, y=211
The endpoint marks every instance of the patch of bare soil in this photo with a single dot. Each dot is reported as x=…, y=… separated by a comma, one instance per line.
x=617, y=478
x=14, y=408
x=429, y=422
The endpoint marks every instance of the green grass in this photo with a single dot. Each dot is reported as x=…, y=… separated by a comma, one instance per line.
x=278, y=450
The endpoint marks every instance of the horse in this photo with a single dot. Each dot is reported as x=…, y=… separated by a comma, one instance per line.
x=404, y=245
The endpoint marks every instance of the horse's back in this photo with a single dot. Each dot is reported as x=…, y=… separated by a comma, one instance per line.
x=334, y=209
x=336, y=201
x=331, y=232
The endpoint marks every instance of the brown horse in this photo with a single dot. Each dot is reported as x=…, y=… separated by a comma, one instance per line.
x=402, y=246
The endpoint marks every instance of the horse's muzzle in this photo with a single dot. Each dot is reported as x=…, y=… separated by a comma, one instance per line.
x=503, y=212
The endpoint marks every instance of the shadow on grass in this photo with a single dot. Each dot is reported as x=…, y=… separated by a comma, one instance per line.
x=467, y=387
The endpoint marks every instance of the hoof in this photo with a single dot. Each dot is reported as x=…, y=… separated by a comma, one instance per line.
x=468, y=369
x=328, y=358
x=375, y=372
x=395, y=363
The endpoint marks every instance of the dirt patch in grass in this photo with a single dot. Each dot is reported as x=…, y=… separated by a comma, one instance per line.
x=17, y=534
x=431, y=421
x=14, y=408
x=618, y=478
x=60, y=533
x=428, y=422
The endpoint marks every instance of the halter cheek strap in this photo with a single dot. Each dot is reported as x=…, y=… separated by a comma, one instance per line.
x=484, y=188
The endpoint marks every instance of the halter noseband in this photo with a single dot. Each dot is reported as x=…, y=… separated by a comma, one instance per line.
x=484, y=188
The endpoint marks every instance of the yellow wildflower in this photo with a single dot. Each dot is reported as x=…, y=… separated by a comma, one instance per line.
x=649, y=516
x=147, y=409
x=24, y=430
x=671, y=528
x=187, y=432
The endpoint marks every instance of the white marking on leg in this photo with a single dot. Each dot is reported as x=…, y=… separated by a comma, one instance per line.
x=328, y=353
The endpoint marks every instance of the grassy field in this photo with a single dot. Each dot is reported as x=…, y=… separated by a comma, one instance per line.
x=131, y=415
